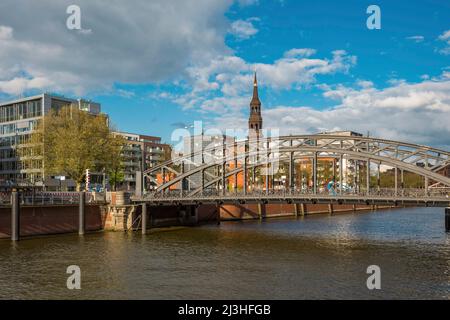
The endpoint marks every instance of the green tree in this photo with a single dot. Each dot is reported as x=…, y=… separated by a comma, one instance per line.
x=116, y=171
x=74, y=140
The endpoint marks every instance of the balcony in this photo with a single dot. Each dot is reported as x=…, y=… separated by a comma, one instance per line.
x=154, y=158
x=131, y=164
x=155, y=151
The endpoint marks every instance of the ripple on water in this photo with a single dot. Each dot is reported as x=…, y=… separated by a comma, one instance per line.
x=314, y=257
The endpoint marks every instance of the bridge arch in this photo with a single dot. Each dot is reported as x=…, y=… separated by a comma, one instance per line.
x=425, y=161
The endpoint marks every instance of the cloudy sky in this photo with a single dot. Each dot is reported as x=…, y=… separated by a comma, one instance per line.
x=156, y=65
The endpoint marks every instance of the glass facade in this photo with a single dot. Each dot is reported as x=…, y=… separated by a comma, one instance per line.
x=21, y=110
x=17, y=120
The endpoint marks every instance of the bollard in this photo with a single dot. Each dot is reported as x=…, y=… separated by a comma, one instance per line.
x=447, y=219
x=15, y=216
x=81, y=214
x=144, y=218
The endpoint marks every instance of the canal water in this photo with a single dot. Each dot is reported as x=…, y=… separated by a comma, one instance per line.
x=317, y=257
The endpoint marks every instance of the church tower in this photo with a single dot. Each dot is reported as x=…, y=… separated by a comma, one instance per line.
x=255, y=120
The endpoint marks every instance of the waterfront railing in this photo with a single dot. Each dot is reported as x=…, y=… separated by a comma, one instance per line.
x=52, y=198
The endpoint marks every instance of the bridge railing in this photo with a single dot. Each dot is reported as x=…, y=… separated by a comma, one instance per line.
x=218, y=194
x=408, y=192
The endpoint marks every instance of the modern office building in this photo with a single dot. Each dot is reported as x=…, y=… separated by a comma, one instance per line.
x=18, y=118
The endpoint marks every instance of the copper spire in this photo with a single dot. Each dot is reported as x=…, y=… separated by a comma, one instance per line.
x=255, y=121
x=255, y=98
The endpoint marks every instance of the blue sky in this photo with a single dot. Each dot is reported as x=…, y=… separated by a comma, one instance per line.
x=319, y=66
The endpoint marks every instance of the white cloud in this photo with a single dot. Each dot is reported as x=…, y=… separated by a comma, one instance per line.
x=223, y=84
x=416, y=39
x=147, y=42
x=288, y=72
x=445, y=36
x=243, y=29
x=303, y=52
x=417, y=112
x=364, y=84
x=18, y=86
x=5, y=33
x=125, y=93
x=244, y=3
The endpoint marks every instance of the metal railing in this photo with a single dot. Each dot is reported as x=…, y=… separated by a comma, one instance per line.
x=52, y=198
x=288, y=193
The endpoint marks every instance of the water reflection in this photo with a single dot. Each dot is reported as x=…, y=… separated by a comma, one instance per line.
x=309, y=258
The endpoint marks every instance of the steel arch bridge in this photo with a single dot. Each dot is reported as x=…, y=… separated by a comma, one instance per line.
x=288, y=169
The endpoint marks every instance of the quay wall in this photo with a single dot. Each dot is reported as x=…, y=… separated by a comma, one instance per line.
x=128, y=217
x=47, y=220
x=59, y=219
x=254, y=211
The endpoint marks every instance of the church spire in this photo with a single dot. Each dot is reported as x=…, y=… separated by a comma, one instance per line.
x=255, y=119
x=255, y=98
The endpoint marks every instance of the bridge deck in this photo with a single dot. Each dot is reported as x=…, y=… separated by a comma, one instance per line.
x=321, y=199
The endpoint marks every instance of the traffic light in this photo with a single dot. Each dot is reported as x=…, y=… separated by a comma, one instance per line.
x=88, y=179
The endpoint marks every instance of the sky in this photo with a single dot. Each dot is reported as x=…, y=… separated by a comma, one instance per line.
x=159, y=65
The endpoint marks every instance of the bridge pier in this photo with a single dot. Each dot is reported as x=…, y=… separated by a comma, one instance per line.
x=15, y=216
x=447, y=219
x=218, y=213
x=144, y=218
x=261, y=210
x=303, y=209
x=299, y=209
x=330, y=208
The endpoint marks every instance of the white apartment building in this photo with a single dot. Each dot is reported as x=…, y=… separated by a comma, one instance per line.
x=18, y=118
